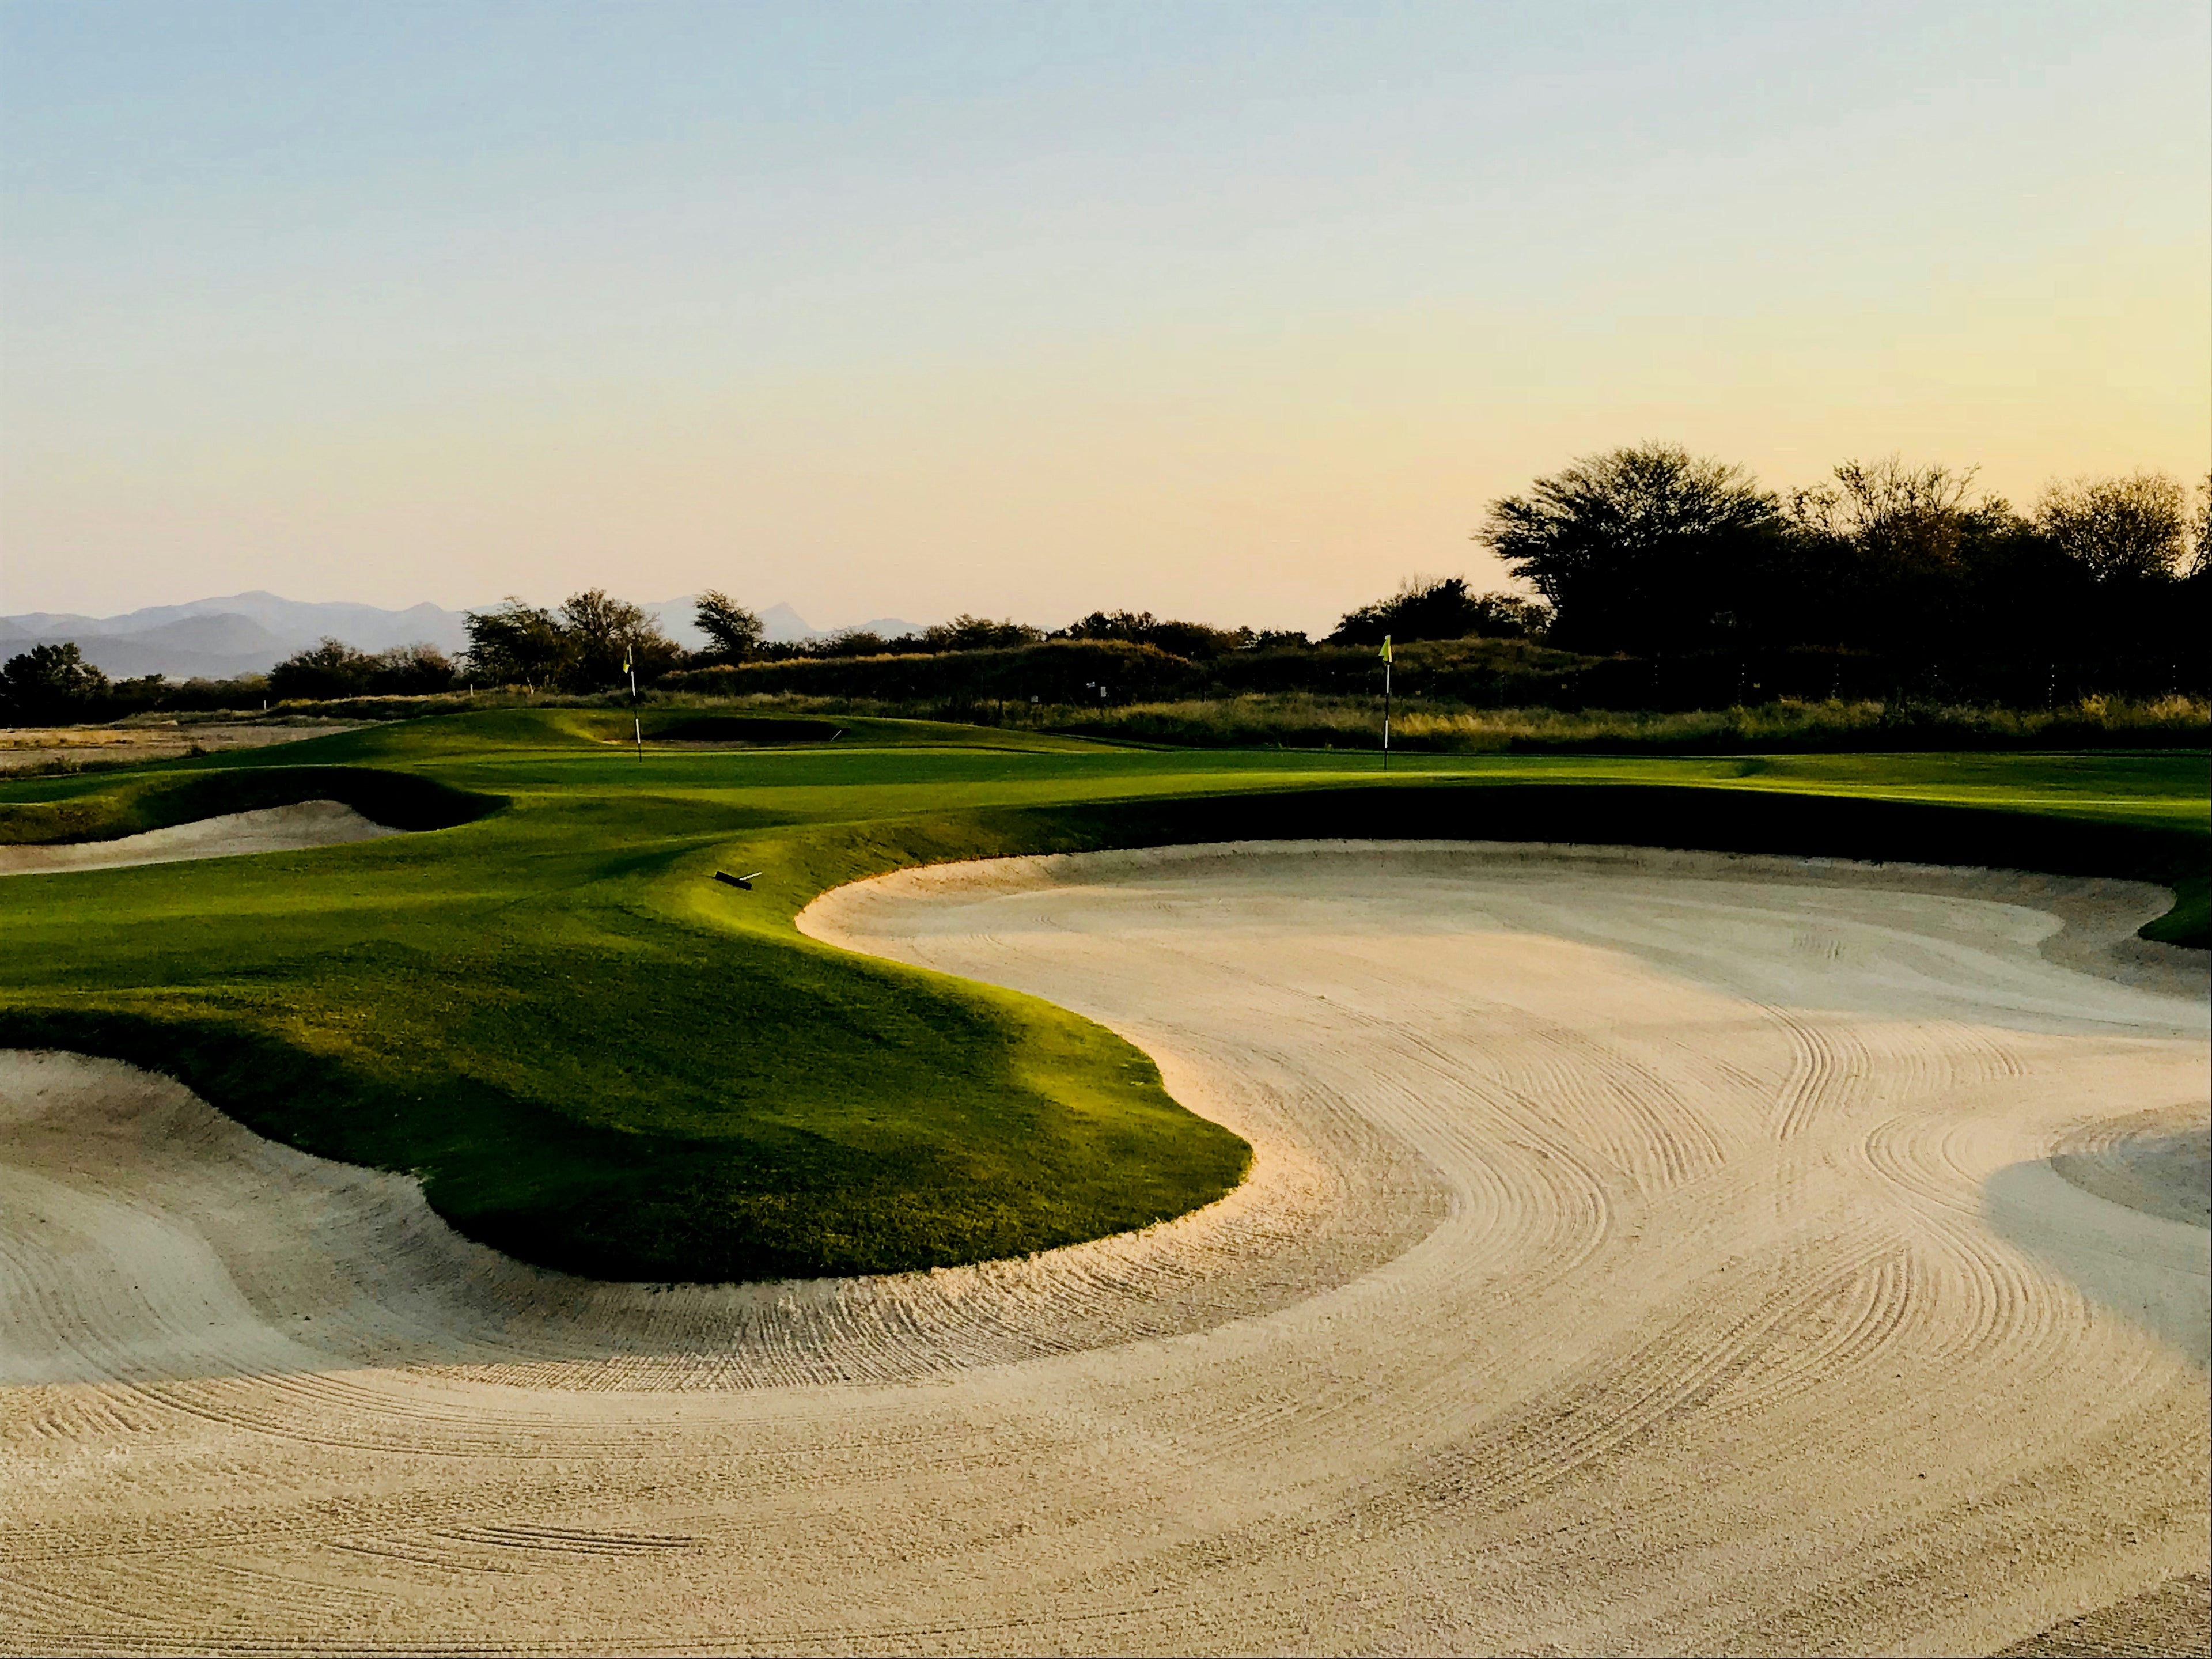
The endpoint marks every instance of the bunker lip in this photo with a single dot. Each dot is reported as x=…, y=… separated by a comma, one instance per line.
x=295, y=828
x=2096, y=919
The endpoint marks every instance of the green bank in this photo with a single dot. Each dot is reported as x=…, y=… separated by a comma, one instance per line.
x=599, y=1059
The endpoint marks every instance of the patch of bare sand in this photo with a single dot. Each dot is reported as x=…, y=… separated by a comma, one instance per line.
x=1627, y=1265
x=268, y=830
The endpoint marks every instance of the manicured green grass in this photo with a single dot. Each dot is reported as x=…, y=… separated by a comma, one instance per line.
x=601, y=1060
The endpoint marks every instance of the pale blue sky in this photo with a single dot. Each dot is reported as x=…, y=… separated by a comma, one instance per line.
x=1238, y=312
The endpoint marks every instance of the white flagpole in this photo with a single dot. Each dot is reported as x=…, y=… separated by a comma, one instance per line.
x=629, y=666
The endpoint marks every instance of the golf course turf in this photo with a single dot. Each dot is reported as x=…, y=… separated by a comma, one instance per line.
x=599, y=1059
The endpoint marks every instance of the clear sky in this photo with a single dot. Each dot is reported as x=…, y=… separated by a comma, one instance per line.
x=1231, y=311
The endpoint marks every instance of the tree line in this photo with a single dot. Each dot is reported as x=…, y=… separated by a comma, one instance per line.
x=1645, y=551
x=1649, y=550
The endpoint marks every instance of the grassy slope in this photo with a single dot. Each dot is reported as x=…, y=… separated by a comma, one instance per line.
x=603, y=1060
x=128, y=803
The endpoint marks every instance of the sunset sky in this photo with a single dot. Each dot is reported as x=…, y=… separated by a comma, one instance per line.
x=1238, y=312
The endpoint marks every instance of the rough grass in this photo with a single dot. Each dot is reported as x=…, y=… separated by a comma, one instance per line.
x=601, y=1060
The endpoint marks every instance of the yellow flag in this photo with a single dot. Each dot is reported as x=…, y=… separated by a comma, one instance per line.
x=1386, y=647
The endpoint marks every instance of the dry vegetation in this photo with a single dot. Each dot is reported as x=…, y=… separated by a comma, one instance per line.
x=1298, y=719
x=1355, y=722
x=48, y=749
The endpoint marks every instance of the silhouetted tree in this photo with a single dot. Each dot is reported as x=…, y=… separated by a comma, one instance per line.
x=1883, y=554
x=329, y=669
x=848, y=642
x=966, y=632
x=1636, y=549
x=1440, y=608
x=734, y=633
x=1196, y=641
x=333, y=669
x=49, y=685
x=516, y=644
x=2119, y=530
x=602, y=630
x=412, y=671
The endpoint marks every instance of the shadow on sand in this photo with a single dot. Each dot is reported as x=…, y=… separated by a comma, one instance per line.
x=2124, y=1212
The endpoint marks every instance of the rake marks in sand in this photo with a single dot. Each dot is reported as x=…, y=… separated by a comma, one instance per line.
x=1642, y=1252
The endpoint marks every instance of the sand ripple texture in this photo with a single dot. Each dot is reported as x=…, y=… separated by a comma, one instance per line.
x=1643, y=1252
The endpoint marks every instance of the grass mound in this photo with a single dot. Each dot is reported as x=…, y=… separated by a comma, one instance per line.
x=601, y=1060
x=154, y=800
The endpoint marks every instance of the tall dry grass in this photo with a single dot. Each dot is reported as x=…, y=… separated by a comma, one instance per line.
x=1302, y=721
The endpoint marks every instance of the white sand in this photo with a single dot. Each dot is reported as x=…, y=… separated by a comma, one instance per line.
x=271, y=829
x=1644, y=1252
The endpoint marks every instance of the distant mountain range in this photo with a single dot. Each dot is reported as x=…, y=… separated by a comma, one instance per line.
x=250, y=633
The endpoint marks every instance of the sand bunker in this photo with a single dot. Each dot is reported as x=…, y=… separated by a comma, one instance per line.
x=271, y=829
x=1643, y=1252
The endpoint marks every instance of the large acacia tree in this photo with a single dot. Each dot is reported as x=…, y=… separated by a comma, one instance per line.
x=2119, y=530
x=733, y=632
x=579, y=647
x=516, y=644
x=1645, y=548
x=604, y=632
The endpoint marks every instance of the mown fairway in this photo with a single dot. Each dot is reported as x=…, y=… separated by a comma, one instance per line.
x=601, y=1060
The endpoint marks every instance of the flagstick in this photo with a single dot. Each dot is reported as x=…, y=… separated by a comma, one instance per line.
x=629, y=667
x=1386, y=703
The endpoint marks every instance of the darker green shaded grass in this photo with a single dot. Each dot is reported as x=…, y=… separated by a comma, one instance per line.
x=599, y=1059
x=679, y=727
x=2190, y=921
x=106, y=809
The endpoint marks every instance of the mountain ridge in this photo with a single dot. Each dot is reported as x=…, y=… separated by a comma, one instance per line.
x=226, y=635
